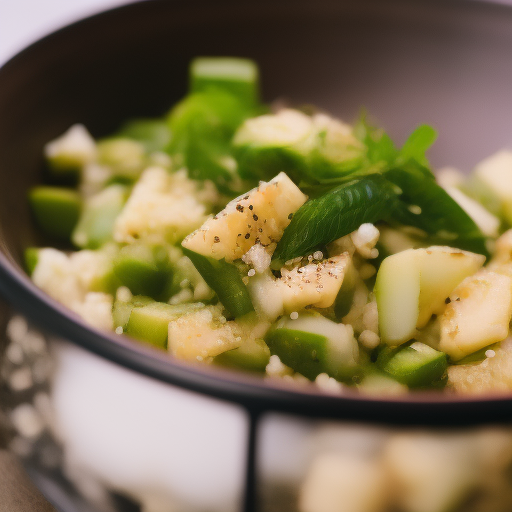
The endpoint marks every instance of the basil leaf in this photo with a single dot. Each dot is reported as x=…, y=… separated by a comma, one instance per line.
x=417, y=144
x=335, y=214
x=425, y=205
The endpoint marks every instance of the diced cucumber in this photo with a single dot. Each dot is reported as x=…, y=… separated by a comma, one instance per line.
x=56, y=210
x=124, y=157
x=225, y=279
x=122, y=309
x=252, y=355
x=151, y=322
x=153, y=134
x=144, y=269
x=97, y=219
x=31, y=257
x=414, y=284
x=237, y=76
x=268, y=144
x=313, y=344
x=397, y=290
x=416, y=365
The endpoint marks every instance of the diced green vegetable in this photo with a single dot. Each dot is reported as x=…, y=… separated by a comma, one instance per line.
x=97, y=219
x=143, y=268
x=416, y=365
x=240, y=77
x=225, y=279
x=31, y=256
x=55, y=210
x=253, y=355
x=312, y=344
x=151, y=322
x=124, y=157
x=153, y=134
x=122, y=309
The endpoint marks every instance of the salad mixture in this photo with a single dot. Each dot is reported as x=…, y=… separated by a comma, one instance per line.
x=283, y=241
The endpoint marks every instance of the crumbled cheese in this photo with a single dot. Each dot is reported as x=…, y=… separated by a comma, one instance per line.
x=275, y=368
x=258, y=257
x=96, y=309
x=328, y=384
x=162, y=207
x=369, y=339
x=365, y=239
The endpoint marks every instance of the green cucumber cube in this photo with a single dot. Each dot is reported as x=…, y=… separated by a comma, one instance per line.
x=416, y=365
x=122, y=309
x=142, y=268
x=239, y=77
x=253, y=355
x=153, y=134
x=96, y=222
x=55, y=210
x=150, y=323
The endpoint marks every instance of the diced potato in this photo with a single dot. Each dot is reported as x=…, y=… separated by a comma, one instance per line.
x=260, y=216
x=492, y=375
x=478, y=314
x=315, y=284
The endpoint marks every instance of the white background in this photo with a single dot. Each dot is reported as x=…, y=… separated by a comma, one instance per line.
x=24, y=21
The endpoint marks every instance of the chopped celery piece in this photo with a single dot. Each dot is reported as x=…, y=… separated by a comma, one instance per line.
x=225, y=279
x=56, y=210
x=416, y=365
x=253, y=355
x=144, y=269
x=312, y=344
x=99, y=213
x=153, y=134
x=125, y=157
x=31, y=257
x=122, y=309
x=237, y=76
x=151, y=322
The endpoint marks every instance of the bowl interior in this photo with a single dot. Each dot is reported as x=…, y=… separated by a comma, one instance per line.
x=407, y=63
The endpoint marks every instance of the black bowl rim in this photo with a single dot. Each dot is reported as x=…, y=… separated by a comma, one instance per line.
x=258, y=396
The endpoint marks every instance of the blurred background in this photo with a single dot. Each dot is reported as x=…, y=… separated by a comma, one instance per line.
x=24, y=21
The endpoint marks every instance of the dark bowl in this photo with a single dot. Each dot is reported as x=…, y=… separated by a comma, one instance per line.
x=446, y=63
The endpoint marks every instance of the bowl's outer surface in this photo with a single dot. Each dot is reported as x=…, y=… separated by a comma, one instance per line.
x=443, y=63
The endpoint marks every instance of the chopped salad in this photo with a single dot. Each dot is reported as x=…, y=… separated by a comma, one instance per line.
x=282, y=241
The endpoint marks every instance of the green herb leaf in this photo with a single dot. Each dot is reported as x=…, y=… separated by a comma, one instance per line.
x=225, y=280
x=335, y=214
x=417, y=144
x=425, y=205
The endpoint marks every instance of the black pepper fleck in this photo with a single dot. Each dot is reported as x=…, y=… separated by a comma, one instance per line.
x=251, y=207
x=247, y=236
x=216, y=239
x=239, y=207
x=255, y=217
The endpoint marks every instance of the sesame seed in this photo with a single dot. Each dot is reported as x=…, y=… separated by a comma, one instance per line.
x=119, y=329
x=318, y=255
x=294, y=315
x=251, y=272
x=490, y=353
